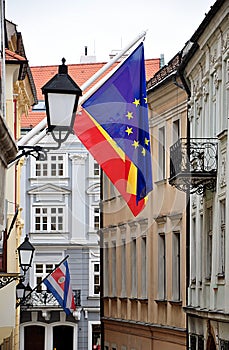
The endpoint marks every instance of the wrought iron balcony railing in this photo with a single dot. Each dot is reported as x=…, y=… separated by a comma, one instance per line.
x=193, y=164
x=44, y=299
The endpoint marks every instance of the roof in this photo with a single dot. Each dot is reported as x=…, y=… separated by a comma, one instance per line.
x=80, y=73
x=14, y=57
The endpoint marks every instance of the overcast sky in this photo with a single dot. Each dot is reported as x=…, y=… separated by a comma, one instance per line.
x=52, y=29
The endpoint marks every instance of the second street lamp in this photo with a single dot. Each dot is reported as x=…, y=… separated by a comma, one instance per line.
x=25, y=251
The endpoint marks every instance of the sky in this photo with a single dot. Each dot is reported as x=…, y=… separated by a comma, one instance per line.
x=52, y=29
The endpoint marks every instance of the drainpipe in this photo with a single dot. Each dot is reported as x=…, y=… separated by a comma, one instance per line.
x=186, y=87
x=15, y=137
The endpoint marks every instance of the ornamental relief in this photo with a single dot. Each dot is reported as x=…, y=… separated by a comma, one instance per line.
x=205, y=91
x=222, y=175
x=225, y=43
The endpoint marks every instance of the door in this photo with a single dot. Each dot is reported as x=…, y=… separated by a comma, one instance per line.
x=62, y=338
x=34, y=338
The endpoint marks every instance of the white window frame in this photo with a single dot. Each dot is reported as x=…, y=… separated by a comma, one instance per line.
x=96, y=216
x=49, y=217
x=90, y=326
x=49, y=162
x=42, y=274
x=94, y=259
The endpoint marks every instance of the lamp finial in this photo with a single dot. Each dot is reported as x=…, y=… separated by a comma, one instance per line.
x=63, y=69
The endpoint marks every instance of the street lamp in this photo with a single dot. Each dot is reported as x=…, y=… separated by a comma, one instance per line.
x=20, y=290
x=25, y=252
x=61, y=100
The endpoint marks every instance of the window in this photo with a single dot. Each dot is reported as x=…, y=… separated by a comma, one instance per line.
x=193, y=249
x=176, y=130
x=133, y=268
x=54, y=166
x=96, y=169
x=123, y=270
x=221, y=271
x=105, y=269
x=143, y=268
x=161, y=267
x=94, y=278
x=113, y=268
x=41, y=271
x=176, y=267
x=209, y=242
x=161, y=154
x=49, y=219
x=96, y=219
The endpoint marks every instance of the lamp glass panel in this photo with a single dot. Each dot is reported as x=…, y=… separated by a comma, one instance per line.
x=25, y=257
x=61, y=108
x=20, y=290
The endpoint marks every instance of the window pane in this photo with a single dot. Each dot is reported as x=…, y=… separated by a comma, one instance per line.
x=96, y=289
x=96, y=267
x=96, y=279
x=39, y=268
x=49, y=268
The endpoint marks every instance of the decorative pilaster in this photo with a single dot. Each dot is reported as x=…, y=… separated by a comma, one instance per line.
x=79, y=202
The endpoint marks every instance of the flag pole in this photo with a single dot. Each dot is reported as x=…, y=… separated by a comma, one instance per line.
x=102, y=70
x=18, y=304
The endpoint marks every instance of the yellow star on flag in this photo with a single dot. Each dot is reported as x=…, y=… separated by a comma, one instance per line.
x=135, y=144
x=145, y=98
x=129, y=115
x=143, y=152
x=147, y=141
x=136, y=102
x=129, y=130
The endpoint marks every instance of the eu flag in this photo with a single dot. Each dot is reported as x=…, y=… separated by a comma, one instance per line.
x=118, y=109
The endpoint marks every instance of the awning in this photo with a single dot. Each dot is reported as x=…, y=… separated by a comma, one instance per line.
x=8, y=310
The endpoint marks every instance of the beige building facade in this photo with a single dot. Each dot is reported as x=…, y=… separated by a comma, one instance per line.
x=144, y=257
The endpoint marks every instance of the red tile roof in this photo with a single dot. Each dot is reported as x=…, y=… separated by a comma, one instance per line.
x=12, y=56
x=80, y=73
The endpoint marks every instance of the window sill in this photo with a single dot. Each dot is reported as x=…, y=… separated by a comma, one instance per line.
x=161, y=301
x=160, y=182
x=175, y=302
x=92, y=297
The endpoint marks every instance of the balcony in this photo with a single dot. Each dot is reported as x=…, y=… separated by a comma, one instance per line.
x=193, y=165
x=43, y=300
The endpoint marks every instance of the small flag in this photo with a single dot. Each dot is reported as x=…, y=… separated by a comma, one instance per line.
x=58, y=283
x=115, y=130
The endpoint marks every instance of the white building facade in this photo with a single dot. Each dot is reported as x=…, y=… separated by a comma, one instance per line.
x=60, y=197
x=204, y=173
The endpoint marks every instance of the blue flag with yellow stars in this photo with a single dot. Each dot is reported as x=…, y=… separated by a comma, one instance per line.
x=119, y=110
